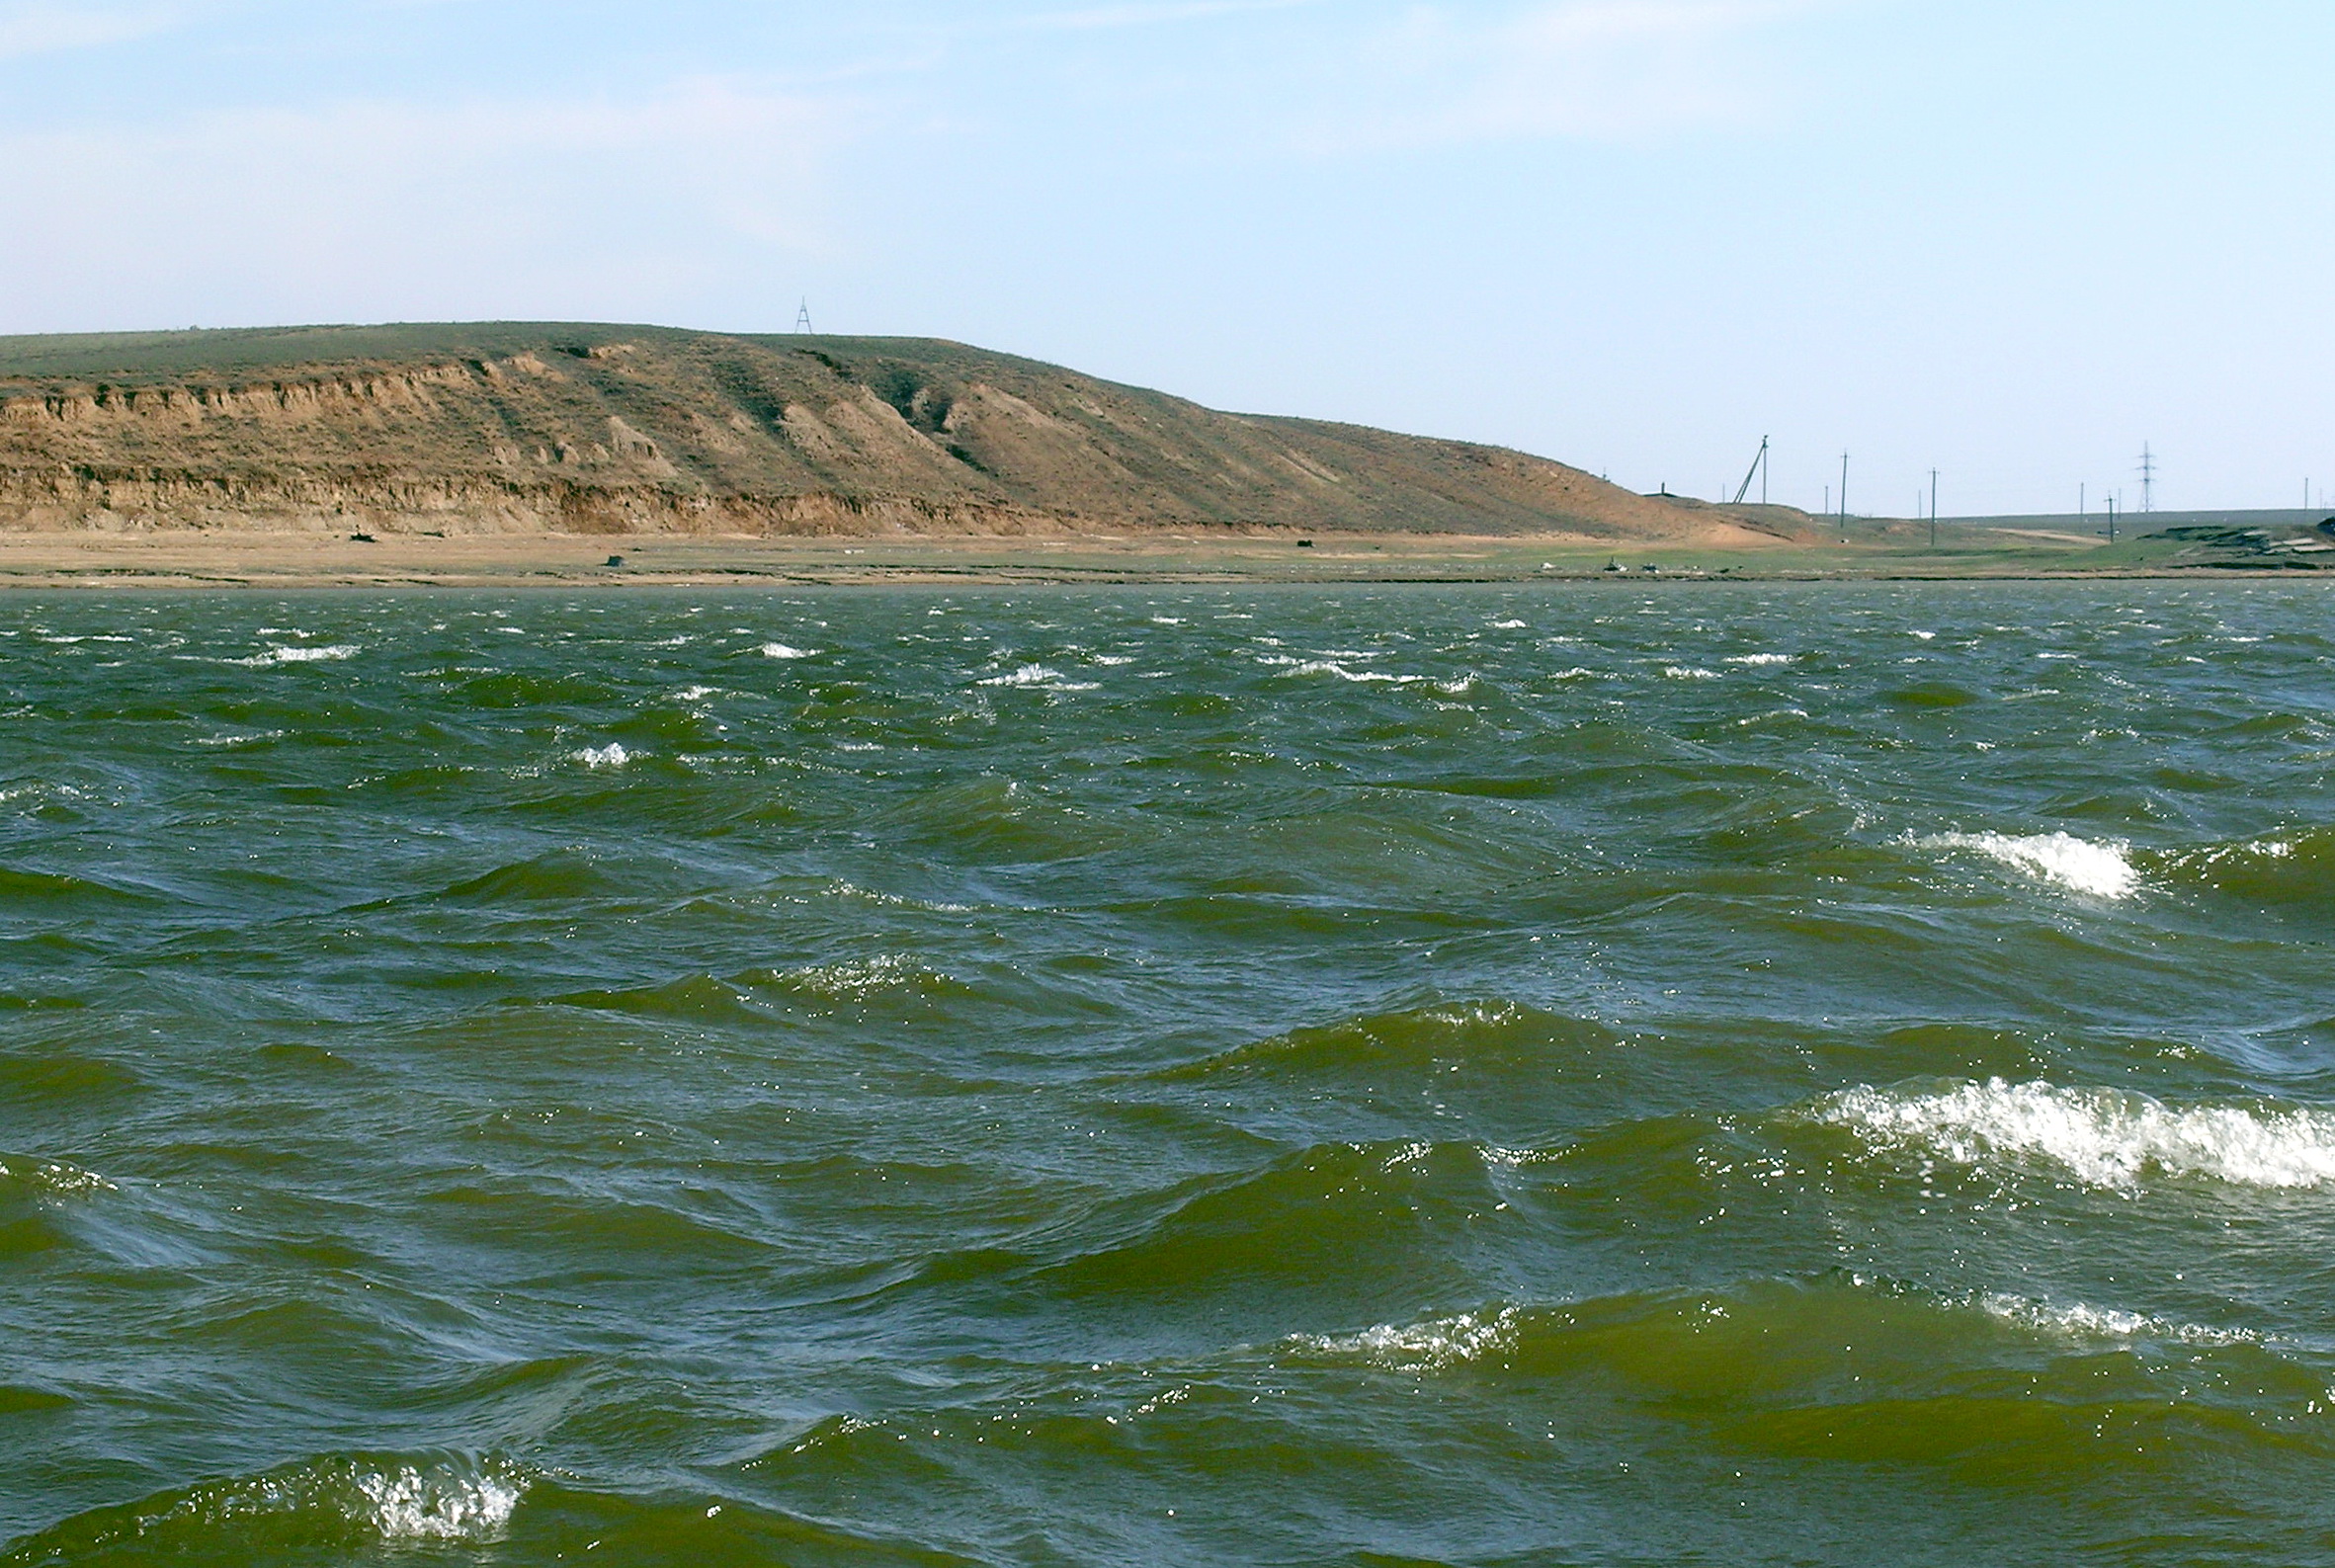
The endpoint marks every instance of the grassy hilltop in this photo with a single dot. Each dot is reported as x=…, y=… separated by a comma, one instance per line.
x=582, y=427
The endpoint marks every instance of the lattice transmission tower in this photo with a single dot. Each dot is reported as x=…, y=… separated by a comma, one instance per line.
x=2148, y=478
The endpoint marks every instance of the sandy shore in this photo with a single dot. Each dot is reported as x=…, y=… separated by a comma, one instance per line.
x=311, y=560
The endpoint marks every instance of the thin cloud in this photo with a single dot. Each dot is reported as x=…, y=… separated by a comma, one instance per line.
x=372, y=209
x=50, y=28
x=1589, y=69
x=1096, y=18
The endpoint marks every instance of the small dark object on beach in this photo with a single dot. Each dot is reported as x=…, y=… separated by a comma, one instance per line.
x=615, y=560
x=1304, y=545
x=361, y=538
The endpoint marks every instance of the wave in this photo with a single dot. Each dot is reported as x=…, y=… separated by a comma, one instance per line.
x=1359, y=677
x=694, y=997
x=612, y=755
x=887, y=974
x=10, y=1002
x=2292, y=869
x=1768, y=1335
x=47, y=1177
x=2083, y=1323
x=331, y=654
x=1432, y=1042
x=1427, y=1345
x=2096, y=869
x=334, y=1504
x=1333, y=1220
x=28, y=886
x=2105, y=1138
x=556, y=877
x=1042, y=675
x=779, y=650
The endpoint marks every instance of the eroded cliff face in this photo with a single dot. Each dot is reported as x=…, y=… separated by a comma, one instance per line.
x=609, y=430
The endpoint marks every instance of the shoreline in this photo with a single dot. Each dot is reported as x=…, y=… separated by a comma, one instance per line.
x=287, y=560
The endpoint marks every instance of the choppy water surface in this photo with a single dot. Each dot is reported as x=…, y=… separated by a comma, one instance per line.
x=1731, y=1075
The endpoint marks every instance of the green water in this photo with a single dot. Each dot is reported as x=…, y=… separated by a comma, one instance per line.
x=1729, y=1074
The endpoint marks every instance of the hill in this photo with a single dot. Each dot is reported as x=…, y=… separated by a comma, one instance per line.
x=598, y=429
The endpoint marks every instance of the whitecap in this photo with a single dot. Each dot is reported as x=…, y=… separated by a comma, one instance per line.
x=2081, y=1321
x=1041, y=674
x=779, y=650
x=408, y=1504
x=1689, y=672
x=1417, y=1347
x=612, y=755
x=857, y=983
x=52, y=1178
x=2101, y=870
x=1760, y=658
x=1332, y=667
x=1508, y=625
x=284, y=655
x=2104, y=1137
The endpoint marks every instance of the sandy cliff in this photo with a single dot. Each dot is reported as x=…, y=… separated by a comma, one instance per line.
x=587, y=429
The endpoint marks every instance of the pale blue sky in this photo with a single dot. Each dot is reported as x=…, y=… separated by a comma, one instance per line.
x=2012, y=241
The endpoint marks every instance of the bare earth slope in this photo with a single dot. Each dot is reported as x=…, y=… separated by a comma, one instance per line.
x=594, y=429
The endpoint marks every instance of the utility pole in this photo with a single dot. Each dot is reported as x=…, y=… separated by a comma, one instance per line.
x=1844, y=498
x=1933, y=509
x=2148, y=478
x=2083, y=511
x=2112, y=520
x=1759, y=468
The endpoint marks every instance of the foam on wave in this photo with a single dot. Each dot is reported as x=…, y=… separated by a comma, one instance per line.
x=340, y=1501
x=1360, y=677
x=408, y=1504
x=49, y=1178
x=612, y=755
x=1416, y=1347
x=2082, y=1321
x=1039, y=675
x=2100, y=871
x=2104, y=1137
x=290, y=655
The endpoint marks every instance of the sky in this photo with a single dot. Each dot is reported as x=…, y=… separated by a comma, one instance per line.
x=2011, y=240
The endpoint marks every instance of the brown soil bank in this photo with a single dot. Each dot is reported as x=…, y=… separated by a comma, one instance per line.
x=537, y=428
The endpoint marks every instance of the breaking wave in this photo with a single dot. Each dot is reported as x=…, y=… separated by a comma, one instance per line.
x=2099, y=870
x=290, y=655
x=345, y=1502
x=1038, y=675
x=2104, y=1137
